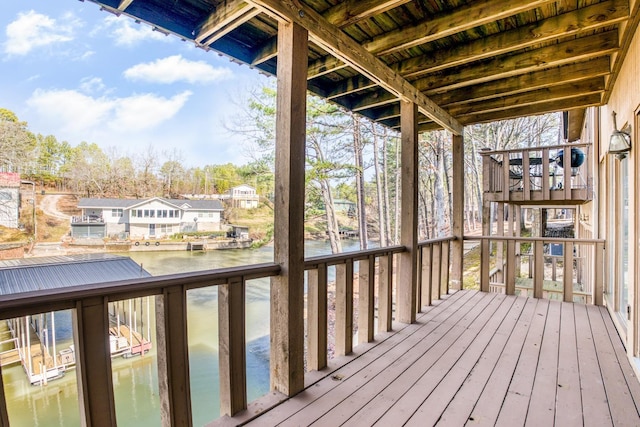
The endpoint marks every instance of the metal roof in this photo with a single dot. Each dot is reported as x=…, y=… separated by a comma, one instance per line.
x=129, y=203
x=33, y=274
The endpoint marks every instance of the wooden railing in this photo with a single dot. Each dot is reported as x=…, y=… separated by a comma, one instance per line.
x=535, y=174
x=89, y=306
x=532, y=272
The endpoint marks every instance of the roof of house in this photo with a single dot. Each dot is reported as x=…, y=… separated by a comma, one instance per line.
x=106, y=203
x=9, y=179
x=34, y=274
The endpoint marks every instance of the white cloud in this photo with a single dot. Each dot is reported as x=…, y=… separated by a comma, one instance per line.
x=32, y=30
x=92, y=85
x=125, y=32
x=83, y=117
x=174, y=69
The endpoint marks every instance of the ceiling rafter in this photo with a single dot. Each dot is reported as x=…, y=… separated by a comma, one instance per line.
x=501, y=67
x=345, y=48
x=446, y=24
x=577, y=21
x=124, y=4
x=230, y=15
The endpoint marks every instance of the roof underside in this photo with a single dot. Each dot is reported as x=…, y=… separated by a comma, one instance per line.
x=467, y=61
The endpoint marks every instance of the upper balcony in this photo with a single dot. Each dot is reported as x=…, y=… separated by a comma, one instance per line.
x=538, y=175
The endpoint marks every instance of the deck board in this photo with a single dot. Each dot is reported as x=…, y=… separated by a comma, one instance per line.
x=477, y=359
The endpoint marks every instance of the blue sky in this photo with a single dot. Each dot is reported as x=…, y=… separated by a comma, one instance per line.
x=81, y=74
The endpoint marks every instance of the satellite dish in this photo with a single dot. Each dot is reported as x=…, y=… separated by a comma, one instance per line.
x=577, y=158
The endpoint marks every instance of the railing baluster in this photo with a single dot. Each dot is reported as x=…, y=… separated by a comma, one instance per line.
x=344, y=308
x=445, y=271
x=545, y=174
x=427, y=290
x=385, y=300
x=484, y=262
x=4, y=415
x=506, y=186
x=173, y=357
x=567, y=173
x=538, y=272
x=419, y=300
x=510, y=274
x=93, y=362
x=436, y=256
x=232, y=347
x=568, y=272
x=317, y=317
x=366, y=282
x=526, y=176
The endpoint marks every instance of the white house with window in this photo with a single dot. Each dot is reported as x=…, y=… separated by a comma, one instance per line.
x=243, y=196
x=145, y=218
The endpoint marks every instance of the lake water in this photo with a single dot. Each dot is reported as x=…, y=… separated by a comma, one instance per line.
x=135, y=379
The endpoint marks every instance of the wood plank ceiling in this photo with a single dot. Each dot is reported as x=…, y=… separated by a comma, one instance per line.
x=462, y=61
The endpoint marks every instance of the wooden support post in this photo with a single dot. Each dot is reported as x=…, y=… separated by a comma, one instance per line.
x=436, y=268
x=407, y=271
x=568, y=272
x=598, y=275
x=4, y=415
x=510, y=273
x=344, y=308
x=526, y=176
x=173, y=357
x=538, y=272
x=385, y=292
x=317, y=318
x=457, y=194
x=366, y=299
x=427, y=290
x=232, y=356
x=93, y=363
x=287, y=292
x=506, y=188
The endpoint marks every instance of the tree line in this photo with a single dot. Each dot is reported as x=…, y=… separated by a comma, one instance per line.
x=347, y=157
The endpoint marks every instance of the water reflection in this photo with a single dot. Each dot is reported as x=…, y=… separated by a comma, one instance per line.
x=135, y=379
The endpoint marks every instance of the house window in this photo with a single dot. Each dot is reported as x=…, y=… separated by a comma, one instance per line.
x=146, y=213
x=5, y=195
x=134, y=213
x=116, y=213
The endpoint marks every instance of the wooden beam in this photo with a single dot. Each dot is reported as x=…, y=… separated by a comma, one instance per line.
x=449, y=23
x=572, y=90
x=341, y=15
x=348, y=50
x=457, y=194
x=351, y=85
x=532, y=110
x=287, y=291
x=372, y=100
x=557, y=54
x=407, y=263
x=571, y=23
x=124, y=4
x=527, y=82
x=227, y=17
x=323, y=66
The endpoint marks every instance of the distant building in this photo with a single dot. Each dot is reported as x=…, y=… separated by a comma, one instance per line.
x=344, y=206
x=145, y=218
x=9, y=199
x=243, y=196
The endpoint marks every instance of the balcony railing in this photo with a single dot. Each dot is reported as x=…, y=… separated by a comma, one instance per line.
x=89, y=306
x=540, y=174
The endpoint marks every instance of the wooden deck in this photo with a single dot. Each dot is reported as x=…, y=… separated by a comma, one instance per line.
x=476, y=359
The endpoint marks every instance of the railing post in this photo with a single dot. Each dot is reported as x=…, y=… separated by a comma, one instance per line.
x=446, y=255
x=173, y=357
x=287, y=291
x=526, y=176
x=506, y=189
x=510, y=274
x=568, y=272
x=538, y=272
x=93, y=363
x=317, y=318
x=436, y=267
x=457, y=194
x=4, y=415
x=232, y=357
x=408, y=269
x=366, y=282
x=344, y=308
x=427, y=291
x=385, y=300
x=545, y=174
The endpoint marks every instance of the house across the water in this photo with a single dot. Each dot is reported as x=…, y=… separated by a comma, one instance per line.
x=145, y=218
